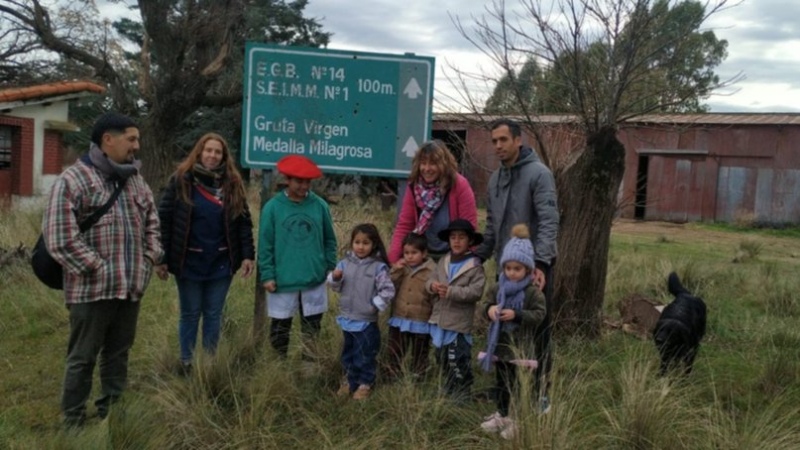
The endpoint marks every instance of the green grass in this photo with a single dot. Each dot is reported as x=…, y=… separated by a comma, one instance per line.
x=785, y=230
x=744, y=392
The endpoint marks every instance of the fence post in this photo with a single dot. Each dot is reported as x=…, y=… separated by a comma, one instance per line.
x=260, y=304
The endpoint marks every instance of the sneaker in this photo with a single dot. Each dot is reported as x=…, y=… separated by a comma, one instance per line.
x=544, y=405
x=344, y=389
x=362, y=392
x=495, y=423
x=509, y=431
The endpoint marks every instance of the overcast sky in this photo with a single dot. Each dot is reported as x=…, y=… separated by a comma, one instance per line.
x=763, y=41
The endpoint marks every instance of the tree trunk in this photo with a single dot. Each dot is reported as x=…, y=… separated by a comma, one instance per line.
x=587, y=193
x=159, y=129
x=157, y=153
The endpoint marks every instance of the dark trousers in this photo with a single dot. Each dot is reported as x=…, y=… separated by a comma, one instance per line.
x=106, y=328
x=280, y=330
x=455, y=363
x=543, y=343
x=399, y=345
x=360, y=355
x=506, y=382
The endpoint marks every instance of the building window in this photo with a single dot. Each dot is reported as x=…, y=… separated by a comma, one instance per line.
x=5, y=147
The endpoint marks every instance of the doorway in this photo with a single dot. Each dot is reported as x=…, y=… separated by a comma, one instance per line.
x=456, y=142
x=640, y=204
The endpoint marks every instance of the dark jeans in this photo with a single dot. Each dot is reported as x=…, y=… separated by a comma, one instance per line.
x=543, y=342
x=198, y=299
x=359, y=355
x=506, y=382
x=398, y=346
x=280, y=330
x=455, y=363
x=107, y=328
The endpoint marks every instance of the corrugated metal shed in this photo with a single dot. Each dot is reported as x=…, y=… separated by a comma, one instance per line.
x=678, y=167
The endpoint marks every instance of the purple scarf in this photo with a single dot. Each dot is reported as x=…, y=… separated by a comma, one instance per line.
x=428, y=198
x=510, y=295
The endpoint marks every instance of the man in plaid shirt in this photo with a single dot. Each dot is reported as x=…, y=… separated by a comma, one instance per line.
x=107, y=267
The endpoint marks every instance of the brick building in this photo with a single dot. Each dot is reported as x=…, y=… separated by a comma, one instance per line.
x=32, y=121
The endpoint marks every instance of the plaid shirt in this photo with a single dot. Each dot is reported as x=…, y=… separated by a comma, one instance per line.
x=113, y=259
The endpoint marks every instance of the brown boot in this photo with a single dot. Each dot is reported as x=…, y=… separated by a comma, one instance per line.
x=362, y=392
x=344, y=388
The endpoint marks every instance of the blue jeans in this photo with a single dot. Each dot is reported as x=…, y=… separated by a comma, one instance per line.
x=359, y=355
x=201, y=298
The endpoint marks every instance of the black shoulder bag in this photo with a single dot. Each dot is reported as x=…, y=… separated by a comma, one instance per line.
x=47, y=269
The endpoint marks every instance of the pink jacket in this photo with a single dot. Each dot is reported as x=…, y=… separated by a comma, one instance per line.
x=461, y=202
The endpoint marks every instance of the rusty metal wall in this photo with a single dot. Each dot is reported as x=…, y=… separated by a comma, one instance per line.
x=725, y=169
x=716, y=173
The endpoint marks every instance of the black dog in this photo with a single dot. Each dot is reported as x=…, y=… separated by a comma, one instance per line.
x=680, y=328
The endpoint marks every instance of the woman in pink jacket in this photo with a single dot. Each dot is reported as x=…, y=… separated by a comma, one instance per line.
x=436, y=195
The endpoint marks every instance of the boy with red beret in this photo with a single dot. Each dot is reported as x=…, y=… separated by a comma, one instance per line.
x=296, y=250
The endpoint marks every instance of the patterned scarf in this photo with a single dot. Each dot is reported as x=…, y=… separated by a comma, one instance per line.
x=209, y=179
x=510, y=295
x=428, y=198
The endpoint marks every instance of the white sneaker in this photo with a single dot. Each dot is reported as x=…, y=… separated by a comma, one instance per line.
x=509, y=431
x=495, y=423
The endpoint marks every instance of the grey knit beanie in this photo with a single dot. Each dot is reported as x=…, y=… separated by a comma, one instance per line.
x=519, y=248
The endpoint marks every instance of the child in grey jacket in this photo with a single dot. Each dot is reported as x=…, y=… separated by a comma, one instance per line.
x=362, y=280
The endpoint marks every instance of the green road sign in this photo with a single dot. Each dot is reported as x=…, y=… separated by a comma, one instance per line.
x=350, y=112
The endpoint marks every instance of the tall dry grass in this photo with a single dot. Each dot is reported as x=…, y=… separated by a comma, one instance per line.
x=743, y=393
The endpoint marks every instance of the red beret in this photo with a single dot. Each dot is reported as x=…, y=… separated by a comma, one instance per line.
x=297, y=166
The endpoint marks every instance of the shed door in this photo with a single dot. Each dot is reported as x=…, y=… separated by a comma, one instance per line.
x=675, y=188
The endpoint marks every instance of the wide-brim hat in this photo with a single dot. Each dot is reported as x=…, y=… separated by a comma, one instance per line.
x=461, y=225
x=297, y=166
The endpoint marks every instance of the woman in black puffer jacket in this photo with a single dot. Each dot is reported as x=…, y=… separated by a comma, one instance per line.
x=207, y=236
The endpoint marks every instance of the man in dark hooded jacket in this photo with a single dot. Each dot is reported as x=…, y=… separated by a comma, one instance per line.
x=522, y=190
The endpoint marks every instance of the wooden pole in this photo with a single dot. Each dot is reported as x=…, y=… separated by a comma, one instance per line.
x=260, y=304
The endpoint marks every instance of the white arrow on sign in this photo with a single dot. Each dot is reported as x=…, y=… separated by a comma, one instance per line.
x=412, y=89
x=411, y=147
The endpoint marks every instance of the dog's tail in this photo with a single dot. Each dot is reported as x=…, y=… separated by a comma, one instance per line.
x=674, y=285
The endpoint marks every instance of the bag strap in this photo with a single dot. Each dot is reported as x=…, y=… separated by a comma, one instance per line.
x=91, y=220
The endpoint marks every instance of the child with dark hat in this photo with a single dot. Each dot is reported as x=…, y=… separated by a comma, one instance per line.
x=457, y=284
x=515, y=308
x=296, y=250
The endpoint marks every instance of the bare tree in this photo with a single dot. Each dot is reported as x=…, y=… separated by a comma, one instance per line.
x=608, y=61
x=187, y=57
x=15, y=45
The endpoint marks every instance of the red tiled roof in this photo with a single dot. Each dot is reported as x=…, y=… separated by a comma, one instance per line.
x=49, y=90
